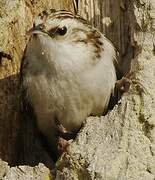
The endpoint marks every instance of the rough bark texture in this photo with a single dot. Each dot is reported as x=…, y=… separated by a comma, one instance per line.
x=120, y=145
x=39, y=172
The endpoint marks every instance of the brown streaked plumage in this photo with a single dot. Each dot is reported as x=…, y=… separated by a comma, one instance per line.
x=69, y=73
x=62, y=14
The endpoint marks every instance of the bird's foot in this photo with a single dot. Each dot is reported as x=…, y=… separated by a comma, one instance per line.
x=63, y=145
x=64, y=138
x=123, y=85
x=63, y=133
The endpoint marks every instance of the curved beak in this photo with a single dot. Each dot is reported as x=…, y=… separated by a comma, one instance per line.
x=39, y=29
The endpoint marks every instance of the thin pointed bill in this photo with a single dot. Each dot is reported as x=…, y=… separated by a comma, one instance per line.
x=36, y=30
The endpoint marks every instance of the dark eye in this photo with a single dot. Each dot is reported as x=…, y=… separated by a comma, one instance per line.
x=62, y=31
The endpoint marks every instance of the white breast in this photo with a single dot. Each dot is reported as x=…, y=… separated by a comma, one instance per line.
x=71, y=90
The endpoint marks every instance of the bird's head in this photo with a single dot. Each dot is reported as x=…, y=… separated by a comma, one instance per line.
x=64, y=39
x=61, y=26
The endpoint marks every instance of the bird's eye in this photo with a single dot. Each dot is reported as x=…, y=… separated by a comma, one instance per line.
x=62, y=31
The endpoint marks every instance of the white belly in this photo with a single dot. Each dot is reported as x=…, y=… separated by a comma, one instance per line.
x=67, y=101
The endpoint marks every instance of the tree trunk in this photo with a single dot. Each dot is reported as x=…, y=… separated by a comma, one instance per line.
x=120, y=145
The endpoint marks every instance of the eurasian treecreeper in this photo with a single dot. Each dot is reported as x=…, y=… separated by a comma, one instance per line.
x=68, y=73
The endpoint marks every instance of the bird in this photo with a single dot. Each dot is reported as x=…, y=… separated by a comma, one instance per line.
x=68, y=73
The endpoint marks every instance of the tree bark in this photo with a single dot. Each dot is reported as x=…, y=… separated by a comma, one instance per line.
x=120, y=145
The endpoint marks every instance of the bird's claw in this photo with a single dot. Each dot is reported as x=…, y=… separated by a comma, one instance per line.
x=63, y=145
x=123, y=84
x=63, y=133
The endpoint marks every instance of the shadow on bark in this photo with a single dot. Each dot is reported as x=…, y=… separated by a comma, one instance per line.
x=19, y=138
x=9, y=120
